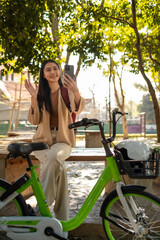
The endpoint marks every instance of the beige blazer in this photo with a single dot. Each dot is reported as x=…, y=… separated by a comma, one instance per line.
x=43, y=133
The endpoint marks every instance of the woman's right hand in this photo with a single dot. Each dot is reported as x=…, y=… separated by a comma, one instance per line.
x=32, y=90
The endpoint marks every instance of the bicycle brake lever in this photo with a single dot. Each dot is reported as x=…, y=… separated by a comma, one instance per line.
x=11, y=155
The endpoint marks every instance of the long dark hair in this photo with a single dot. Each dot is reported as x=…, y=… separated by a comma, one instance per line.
x=43, y=96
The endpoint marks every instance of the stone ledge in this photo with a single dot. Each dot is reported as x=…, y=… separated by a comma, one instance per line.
x=92, y=230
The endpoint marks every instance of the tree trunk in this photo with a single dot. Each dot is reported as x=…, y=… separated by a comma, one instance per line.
x=125, y=130
x=13, y=108
x=11, y=118
x=19, y=104
x=55, y=34
x=121, y=103
x=67, y=58
x=78, y=66
x=141, y=68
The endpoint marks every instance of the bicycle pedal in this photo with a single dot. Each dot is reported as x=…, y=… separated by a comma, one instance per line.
x=49, y=232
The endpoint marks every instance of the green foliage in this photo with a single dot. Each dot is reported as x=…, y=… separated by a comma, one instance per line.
x=118, y=14
x=147, y=107
x=26, y=34
x=27, y=38
x=141, y=87
x=20, y=23
x=86, y=28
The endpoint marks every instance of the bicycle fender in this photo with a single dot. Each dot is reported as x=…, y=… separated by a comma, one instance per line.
x=131, y=186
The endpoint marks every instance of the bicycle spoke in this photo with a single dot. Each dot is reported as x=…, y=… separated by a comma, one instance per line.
x=146, y=215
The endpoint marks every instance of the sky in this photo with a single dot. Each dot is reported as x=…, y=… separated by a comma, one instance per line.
x=93, y=78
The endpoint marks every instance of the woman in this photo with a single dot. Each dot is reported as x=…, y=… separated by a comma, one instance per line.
x=50, y=113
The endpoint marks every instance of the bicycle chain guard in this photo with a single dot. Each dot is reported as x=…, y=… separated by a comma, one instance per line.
x=32, y=228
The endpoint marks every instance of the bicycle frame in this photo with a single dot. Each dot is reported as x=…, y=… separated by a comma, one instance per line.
x=110, y=171
x=35, y=227
x=37, y=190
x=18, y=227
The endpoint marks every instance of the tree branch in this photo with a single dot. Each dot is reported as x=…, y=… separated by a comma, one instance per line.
x=121, y=20
x=150, y=53
x=121, y=88
x=81, y=4
x=102, y=3
x=55, y=32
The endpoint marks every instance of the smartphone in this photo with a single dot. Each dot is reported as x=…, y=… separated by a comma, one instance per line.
x=69, y=69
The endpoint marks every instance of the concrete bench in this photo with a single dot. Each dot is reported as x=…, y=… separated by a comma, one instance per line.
x=92, y=138
x=11, y=169
x=87, y=154
x=77, y=154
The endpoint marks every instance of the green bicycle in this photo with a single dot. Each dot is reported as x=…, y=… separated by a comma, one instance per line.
x=129, y=212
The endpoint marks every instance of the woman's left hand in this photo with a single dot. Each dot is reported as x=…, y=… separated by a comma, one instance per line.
x=71, y=85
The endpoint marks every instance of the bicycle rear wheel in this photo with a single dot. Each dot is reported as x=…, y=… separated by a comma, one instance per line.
x=17, y=207
x=116, y=223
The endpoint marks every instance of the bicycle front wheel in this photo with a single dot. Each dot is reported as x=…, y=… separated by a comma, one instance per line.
x=16, y=207
x=116, y=223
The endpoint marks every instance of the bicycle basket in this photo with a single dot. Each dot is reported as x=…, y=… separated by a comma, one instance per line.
x=139, y=169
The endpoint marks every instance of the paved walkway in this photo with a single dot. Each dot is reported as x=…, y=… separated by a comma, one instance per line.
x=81, y=178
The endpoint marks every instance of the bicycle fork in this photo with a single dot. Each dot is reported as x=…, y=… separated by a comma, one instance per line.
x=137, y=229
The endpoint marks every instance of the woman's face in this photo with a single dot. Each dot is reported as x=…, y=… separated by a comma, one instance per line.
x=51, y=72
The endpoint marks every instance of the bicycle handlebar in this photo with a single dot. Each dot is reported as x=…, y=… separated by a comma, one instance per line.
x=114, y=121
x=85, y=122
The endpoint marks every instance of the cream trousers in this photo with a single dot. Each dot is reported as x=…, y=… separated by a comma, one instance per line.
x=54, y=177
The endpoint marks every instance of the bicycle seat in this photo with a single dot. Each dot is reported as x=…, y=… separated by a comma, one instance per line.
x=26, y=148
